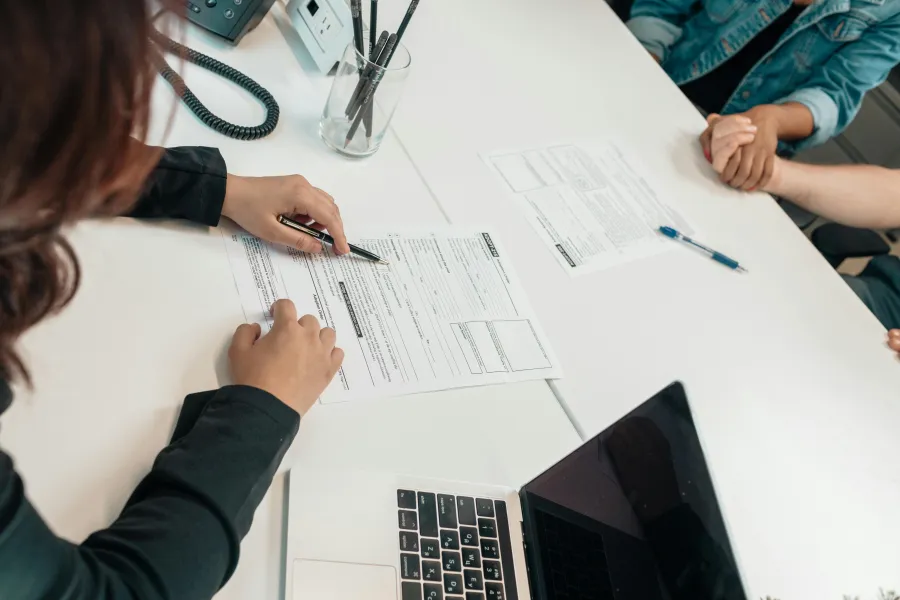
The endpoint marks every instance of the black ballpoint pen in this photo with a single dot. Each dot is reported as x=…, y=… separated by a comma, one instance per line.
x=324, y=237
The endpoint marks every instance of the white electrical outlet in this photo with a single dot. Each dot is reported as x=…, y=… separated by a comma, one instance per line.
x=325, y=28
x=324, y=24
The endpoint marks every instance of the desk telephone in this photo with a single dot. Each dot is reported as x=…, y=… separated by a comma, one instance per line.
x=230, y=20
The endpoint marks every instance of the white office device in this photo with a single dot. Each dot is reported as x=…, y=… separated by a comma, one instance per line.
x=630, y=515
x=325, y=28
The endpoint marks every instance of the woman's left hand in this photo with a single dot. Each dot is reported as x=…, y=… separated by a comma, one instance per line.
x=255, y=203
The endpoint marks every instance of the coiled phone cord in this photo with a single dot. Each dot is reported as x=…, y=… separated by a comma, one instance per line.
x=231, y=130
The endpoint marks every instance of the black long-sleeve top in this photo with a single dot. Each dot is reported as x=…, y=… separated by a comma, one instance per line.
x=179, y=535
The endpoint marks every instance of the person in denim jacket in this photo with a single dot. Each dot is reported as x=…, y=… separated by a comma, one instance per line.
x=798, y=69
x=863, y=196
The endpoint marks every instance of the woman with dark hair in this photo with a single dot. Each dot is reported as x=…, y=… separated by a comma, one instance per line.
x=76, y=89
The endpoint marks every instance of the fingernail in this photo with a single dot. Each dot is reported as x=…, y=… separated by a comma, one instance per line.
x=752, y=128
x=753, y=189
x=707, y=154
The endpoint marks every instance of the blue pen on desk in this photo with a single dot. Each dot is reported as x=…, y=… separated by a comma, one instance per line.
x=716, y=256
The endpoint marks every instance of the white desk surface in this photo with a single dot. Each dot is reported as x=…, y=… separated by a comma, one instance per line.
x=793, y=390
x=156, y=310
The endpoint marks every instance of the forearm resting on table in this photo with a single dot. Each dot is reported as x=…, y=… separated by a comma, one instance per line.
x=855, y=195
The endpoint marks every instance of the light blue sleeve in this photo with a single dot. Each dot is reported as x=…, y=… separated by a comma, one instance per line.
x=657, y=23
x=835, y=91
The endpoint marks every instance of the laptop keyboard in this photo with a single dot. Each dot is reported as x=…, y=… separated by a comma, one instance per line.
x=454, y=548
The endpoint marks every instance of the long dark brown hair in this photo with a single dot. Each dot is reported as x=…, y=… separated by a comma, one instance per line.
x=75, y=83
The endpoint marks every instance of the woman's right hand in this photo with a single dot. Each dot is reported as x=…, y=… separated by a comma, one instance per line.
x=294, y=362
x=255, y=203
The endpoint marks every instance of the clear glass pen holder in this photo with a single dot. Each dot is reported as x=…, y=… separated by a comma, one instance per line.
x=362, y=101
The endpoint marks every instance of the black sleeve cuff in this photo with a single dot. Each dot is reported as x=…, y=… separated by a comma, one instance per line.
x=207, y=209
x=196, y=403
x=262, y=400
x=188, y=183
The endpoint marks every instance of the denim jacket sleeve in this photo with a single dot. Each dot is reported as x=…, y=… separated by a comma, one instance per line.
x=657, y=23
x=835, y=91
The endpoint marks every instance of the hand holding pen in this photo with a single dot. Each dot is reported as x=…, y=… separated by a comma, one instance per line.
x=259, y=205
x=256, y=203
x=327, y=239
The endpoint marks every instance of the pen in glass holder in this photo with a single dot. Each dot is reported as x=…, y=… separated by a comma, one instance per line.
x=366, y=68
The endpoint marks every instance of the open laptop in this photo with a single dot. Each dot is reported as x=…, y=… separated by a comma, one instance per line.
x=630, y=515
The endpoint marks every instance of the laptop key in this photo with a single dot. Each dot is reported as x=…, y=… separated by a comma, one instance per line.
x=447, y=510
x=409, y=566
x=494, y=591
x=453, y=583
x=474, y=596
x=427, y=515
x=449, y=539
x=491, y=570
x=471, y=557
x=487, y=528
x=490, y=549
x=411, y=590
x=468, y=536
x=484, y=507
x=430, y=548
x=409, y=541
x=452, y=561
x=434, y=591
x=407, y=519
x=406, y=499
x=431, y=570
x=506, y=555
x=466, y=508
x=473, y=579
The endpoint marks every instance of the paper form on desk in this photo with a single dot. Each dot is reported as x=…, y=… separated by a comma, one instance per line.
x=588, y=202
x=446, y=312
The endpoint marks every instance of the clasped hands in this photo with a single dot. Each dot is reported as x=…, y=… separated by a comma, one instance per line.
x=742, y=147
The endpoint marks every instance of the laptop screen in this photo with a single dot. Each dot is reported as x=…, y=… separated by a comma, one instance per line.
x=631, y=514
